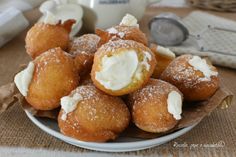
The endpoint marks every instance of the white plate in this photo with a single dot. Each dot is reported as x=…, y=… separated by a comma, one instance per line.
x=120, y=145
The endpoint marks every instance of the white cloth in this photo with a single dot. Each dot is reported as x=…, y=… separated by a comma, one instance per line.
x=219, y=45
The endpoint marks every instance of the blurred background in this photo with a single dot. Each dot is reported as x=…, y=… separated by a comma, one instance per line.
x=191, y=26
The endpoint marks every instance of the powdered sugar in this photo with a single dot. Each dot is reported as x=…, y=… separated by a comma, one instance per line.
x=178, y=71
x=152, y=92
x=112, y=46
x=84, y=44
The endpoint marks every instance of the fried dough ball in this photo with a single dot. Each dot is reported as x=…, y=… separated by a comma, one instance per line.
x=54, y=76
x=193, y=76
x=85, y=43
x=122, y=66
x=42, y=37
x=97, y=117
x=156, y=107
x=163, y=56
x=122, y=32
x=83, y=49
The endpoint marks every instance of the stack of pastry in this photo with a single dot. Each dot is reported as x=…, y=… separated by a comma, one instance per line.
x=89, y=76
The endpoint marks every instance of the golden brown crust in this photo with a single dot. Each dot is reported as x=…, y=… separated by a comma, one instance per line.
x=123, y=32
x=189, y=81
x=42, y=37
x=54, y=77
x=86, y=43
x=83, y=63
x=149, y=107
x=162, y=61
x=83, y=49
x=71, y=128
x=98, y=117
x=116, y=47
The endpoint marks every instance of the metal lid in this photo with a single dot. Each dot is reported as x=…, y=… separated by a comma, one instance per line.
x=168, y=30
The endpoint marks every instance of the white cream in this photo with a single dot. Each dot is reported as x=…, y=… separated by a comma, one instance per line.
x=121, y=34
x=23, y=79
x=129, y=20
x=200, y=64
x=69, y=104
x=50, y=19
x=165, y=51
x=146, y=58
x=112, y=30
x=174, y=104
x=117, y=71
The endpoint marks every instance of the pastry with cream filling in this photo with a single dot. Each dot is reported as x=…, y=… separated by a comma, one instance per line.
x=128, y=29
x=49, y=34
x=122, y=66
x=89, y=114
x=156, y=107
x=49, y=77
x=193, y=76
x=83, y=49
x=163, y=56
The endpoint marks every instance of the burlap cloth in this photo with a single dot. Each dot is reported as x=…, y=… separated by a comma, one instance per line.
x=16, y=130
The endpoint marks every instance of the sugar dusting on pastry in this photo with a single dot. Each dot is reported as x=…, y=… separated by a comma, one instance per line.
x=117, y=70
x=84, y=44
x=23, y=79
x=50, y=19
x=129, y=20
x=174, y=104
x=69, y=104
x=201, y=65
x=186, y=74
x=165, y=51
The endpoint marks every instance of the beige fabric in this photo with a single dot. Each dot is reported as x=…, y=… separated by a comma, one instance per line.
x=16, y=130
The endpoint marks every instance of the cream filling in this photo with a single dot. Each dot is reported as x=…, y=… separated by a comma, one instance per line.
x=69, y=104
x=200, y=64
x=117, y=71
x=23, y=79
x=165, y=51
x=146, y=58
x=129, y=20
x=174, y=104
x=50, y=19
x=112, y=30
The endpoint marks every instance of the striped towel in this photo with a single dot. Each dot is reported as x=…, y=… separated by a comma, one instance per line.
x=218, y=42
